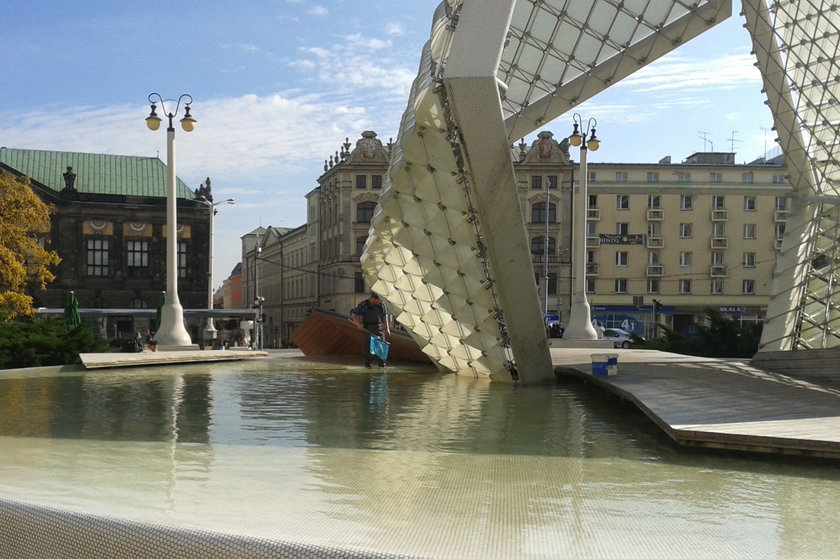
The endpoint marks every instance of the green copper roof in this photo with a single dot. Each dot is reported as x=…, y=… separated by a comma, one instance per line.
x=96, y=173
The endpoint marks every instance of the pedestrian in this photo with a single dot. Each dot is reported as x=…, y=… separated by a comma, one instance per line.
x=371, y=317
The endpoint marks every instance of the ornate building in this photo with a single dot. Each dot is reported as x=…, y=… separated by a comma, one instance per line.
x=109, y=228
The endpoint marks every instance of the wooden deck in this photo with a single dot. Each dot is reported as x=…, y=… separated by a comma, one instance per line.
x=146, y=358
x=718, y=403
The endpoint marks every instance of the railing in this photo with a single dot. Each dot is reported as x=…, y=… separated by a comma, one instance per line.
x=718, y=271
x=593, y=242
x=720, y=215
x=655, y=241
x=781, y=216
x=779, y=244
x=655, y=214
x=593, y=214
x=592, y=269
x=654, y=270
x=720, y=242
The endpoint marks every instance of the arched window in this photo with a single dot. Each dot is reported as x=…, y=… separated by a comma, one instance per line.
x=364, y=212
x=538, y=246
x=360, y=245
x=538, y=213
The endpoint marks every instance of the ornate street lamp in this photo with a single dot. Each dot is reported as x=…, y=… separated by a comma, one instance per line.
x=580, y=326
x=171, y=331
x=210, y=331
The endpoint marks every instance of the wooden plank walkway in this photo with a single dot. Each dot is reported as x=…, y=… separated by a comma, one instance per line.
x=145, y=358
x=719, y=403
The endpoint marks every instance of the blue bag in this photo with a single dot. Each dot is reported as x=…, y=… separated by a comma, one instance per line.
x=379, y=347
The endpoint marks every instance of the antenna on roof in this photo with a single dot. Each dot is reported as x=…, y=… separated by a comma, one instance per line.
x=732, y=141
x=705, y=139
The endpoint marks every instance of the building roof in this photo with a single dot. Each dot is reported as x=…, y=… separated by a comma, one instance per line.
x=96, y=173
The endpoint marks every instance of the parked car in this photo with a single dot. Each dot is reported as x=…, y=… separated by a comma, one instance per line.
x=619, y=337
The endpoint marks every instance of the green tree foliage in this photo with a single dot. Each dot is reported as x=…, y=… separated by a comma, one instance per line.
x=722, y=337
x=23, y=261
x=45, y=342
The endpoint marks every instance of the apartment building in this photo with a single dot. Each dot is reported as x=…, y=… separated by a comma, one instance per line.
x=701, y=233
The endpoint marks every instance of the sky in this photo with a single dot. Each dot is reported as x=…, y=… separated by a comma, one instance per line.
x=277, y=86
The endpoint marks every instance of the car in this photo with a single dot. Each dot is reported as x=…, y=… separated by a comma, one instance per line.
x=619, y=337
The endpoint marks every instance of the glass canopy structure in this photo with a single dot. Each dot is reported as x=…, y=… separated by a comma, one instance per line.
x=447, y=248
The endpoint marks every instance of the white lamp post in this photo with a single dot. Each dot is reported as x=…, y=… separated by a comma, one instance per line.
x=210, y=331
x=580, y=318
x=171, y=330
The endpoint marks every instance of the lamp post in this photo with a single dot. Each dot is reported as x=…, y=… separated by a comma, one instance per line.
x=580, y=318
x=171, y=330
x=210, y=331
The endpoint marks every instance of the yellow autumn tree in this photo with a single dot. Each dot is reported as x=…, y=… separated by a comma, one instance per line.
x=23, y=261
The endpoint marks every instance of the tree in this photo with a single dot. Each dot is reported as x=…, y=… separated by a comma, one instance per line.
x=23, y=261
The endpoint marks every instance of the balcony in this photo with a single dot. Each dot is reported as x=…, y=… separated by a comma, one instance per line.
x=654, y=271
x=593, y=242
x=778, y=244
x=720, y=215
x=781, y=216
x=539, y=258
x=655, y=241
x=592, y=269
x=593, y=214
x=720, y=242
x=655, y=214
x=718, y=271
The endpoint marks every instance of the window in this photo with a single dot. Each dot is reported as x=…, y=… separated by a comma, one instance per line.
x=653, y=258
x=749, y=260
x=749, y=203
x=652, y=176
x=361, y=181
x=780, y=230
x=685, y=231
x=749, y=230
x=137, y=258
x=591, y=228
x=621, y=285
x=622, y=228
x=717, y=258
x=747, y=178
x=779, y=179
x=360, y=245
x=718, y=202
x=620, y=176
x=655, y=229
x=538, y=246
x=97, y=257
x=683, y=177
x=538, y=213
x=359, y=283
x=716, y=287
x=621, y=258
x=686, y=202
x=686, y=259
x=748, y=287
x=376, y=181
x=622, y=202
x=653, y=285
x=552, y=283
x=552, y=181
x=592, y=176
x=182, y=260
x=536, y=182
x=719, y=229
x=781, y=203
x=685, y=286
x=590, y=257
x=654, y=201
x=592, y=202
x=715, y=178
x=364, y=212
x=590, y=285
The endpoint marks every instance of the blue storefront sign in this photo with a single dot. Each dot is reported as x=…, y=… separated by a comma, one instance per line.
x=626, y=317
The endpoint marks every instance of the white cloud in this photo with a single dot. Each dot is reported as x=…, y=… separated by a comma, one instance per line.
x=675, y=72
x=394, y=30
x=318, y=11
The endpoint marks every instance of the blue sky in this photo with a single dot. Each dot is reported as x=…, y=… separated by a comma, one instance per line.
x=278, y=85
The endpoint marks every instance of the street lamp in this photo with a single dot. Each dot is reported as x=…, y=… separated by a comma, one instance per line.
x=171, y=330
x=580, y=318
x=210, y=331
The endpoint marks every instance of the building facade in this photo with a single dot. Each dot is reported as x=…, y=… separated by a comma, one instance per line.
x=109, y=228
x=703, y=233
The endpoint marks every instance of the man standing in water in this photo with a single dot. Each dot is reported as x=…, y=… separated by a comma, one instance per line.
x=371, y=317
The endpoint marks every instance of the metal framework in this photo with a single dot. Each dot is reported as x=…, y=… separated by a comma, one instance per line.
x=447, y=248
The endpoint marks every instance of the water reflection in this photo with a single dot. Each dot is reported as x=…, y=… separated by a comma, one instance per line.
x=408, y=462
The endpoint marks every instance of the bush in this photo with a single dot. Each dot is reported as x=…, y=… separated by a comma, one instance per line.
x=723, y=337
x=47, y=341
